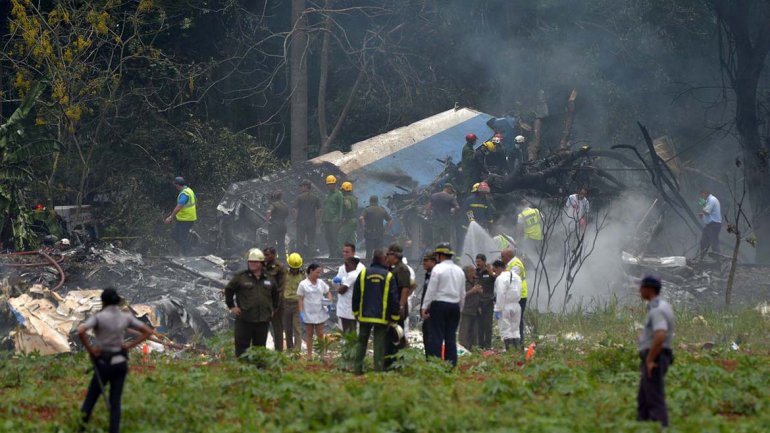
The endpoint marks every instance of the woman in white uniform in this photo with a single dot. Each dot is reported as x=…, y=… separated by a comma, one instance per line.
x=312, y=312
x=507, y=308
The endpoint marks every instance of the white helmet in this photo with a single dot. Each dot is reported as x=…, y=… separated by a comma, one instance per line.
x=520, y=139
x=255, y=255
x=65, y=242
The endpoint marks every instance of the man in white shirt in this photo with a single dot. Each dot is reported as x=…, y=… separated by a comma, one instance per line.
x=345, y=279
x=576, y=209
x=444, y=300
x=712, y=218
x=507, y=308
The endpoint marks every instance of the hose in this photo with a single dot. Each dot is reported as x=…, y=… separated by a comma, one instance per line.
x=49, y=261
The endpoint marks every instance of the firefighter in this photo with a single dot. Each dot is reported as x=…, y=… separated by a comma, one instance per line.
x=491, y=156
x=185, y=215
x=331, y=216
x=291, y=324
x=347, y=233
x=375, y=306
x=478, y=207
x=470, y=168
x=252, y=296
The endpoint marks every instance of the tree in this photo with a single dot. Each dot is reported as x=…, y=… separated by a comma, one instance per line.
x=744, y=43
x=298, y=73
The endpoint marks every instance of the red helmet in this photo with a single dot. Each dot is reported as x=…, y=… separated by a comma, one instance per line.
x=470, y=137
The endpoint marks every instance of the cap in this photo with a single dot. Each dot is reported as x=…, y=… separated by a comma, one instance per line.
x=429, y=256
x=444, y=248
x=449, y=185
x=374, y=199
x=179, y=180
x=396, y=248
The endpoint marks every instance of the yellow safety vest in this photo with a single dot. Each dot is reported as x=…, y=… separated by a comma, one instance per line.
x=382, y=319
x=533, y=228
x=188, y=212
x=517, y=262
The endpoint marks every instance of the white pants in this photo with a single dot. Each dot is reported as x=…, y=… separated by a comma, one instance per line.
x=509, y=322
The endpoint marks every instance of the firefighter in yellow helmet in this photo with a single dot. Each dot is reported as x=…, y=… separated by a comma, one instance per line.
x=292, y=327
x=331, y=215
x=491, y=156
x=347, y=233
x=252, y=296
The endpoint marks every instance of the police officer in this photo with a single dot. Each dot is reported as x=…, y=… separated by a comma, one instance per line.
x=655, y=352
x=252, y=297
x=277, y=216
x=185, y=214
x=277, y=271
x=331, y=215
x=440, y=210
x=109, y=353
x=375, y=305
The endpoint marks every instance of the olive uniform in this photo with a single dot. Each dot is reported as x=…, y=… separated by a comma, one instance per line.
x=442, y=204
x=276, y=228
x=487, y=304
x=347, y=233
x=291, y=324
x=469, y=166
x=278, y=272
x=375, y=217
x=331, y=217
x=403, y=284
x=307, y=206
x=258, y=299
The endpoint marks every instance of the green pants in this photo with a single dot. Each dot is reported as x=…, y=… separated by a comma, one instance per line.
x=347, y=233
x=379, y=341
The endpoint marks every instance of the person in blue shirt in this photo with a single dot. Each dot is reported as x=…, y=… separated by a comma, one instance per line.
x=712, y=218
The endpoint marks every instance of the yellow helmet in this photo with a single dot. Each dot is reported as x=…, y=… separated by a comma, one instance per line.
x=331, y=179
x=255, y=255
x=475, y=187
x=347, y=186
x=490, y=145
x=294, y=260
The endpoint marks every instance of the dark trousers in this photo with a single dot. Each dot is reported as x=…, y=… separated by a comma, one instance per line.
x=710, y=238
x=391, y=349
x=444, y=319
x=379, y=340
x=523, y=305
x=426, y=335
x=331, y=230
x=115, y=377
x=291, y=326
x=180, y=233
x=306, y=240
x=348, y=326
x=249, y=334
x=486, y=320
x=371, y=245
x=276, y=238
x=651, y=400
x=469, y=330
x=276, y=323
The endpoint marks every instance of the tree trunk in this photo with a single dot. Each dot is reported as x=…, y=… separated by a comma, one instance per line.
x=565, y=137
x=298, y=75
x=345, y=110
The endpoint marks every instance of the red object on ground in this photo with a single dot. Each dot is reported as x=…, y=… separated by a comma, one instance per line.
x=530, y=351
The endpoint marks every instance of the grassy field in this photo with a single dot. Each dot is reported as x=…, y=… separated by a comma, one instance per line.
x=582, y=378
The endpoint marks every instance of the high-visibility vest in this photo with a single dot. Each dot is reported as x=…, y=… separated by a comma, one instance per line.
x=533, y=224
x=384, y=314
x=188, y=212
x=523, y=274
